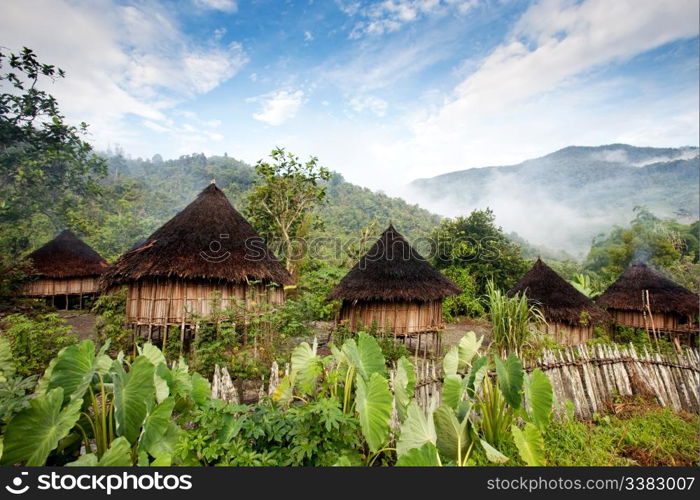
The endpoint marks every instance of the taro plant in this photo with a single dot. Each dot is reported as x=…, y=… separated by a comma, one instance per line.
x=477, y=411
x=118, y=412
x=355, y=377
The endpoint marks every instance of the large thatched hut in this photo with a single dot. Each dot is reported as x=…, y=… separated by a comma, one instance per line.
x=394, y=287
x=206, y=259
x=65, y=271
x=570, y=316
x=673, y=307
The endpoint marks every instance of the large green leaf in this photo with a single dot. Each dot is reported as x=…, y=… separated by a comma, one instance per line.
x=467, y=348
x=161, y=374
x=156, y=425
x=416, y=430
x=452, y=435
x=87, y=460
x=306, y=367
x=35, y=431
x=492, y=454
x=201, y=389
x=7, y=364
x=538, y=391
x=118, y=455
x=75, y=368
x=476, y=375
x=373, y=401
x=366, y=355
x=404, y=386
x=425, y=456
x=510, y=379
x=166, y=446
x=154, y=355
x=453, y=388
x=530, y=444
x=134, y=394
x=450, y=362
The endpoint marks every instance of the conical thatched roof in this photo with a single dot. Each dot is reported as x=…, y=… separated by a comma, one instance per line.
x=664, y=294
x=208, y=240
x=558, y=300
x=393, y=270
x=67, y=256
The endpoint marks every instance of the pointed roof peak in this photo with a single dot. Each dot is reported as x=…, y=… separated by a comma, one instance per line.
x=209, y=240
x=666, y=295
x=557, y=298
x=67, y=256
x=393, y=270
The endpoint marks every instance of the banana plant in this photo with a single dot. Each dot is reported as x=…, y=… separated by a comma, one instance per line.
x=121, y=412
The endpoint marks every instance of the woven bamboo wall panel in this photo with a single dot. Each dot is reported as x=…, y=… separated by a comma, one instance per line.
x=168, y=302
x=662, y=321
x=45, y=287
x=567, y=334
x=395, y=317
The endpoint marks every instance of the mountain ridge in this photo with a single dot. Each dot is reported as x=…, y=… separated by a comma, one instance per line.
x=573, y=193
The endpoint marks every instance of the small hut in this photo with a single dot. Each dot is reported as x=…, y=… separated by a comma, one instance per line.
x=394, y=287
x=206, y=259
x=570, y=316
x=644, y=298
x=66, y=271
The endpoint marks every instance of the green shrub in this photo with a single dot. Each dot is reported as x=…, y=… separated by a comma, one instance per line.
x=111, y=323
x=466, y=303
x=311, y=434
x=35, y=340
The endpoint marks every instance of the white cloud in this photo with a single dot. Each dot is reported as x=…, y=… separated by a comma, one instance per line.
x=229, y=6
x=549, y=52
x=308, y=36
x=278, y=107
x=120, y=61
x=387, y=16
x=369, y=103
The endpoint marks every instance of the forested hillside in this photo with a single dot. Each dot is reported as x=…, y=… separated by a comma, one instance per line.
x=139, y=195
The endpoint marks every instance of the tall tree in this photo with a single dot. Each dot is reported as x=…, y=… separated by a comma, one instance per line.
x=477, y=244
x=47, y=170
x=282, y=202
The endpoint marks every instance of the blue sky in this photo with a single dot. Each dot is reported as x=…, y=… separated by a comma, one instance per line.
x=382, y=91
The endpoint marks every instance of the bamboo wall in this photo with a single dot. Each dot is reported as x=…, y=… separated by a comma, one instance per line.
x=566, y=334
x=47, y=287
x=395, y=317
x=669, y=322
x=174, y=302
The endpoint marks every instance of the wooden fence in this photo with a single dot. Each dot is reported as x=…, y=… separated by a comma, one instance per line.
x=590, y=377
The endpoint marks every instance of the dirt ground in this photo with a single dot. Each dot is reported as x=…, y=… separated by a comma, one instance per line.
x=455, y=331
x=83, y=323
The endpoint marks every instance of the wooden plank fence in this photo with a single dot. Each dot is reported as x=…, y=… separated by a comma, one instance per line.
x=590, y=376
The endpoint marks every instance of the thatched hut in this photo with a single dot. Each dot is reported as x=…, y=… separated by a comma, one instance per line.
x=570, y=316
x=66, y=271
x=206, y=259
x=673, y=307
x=394, y=287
